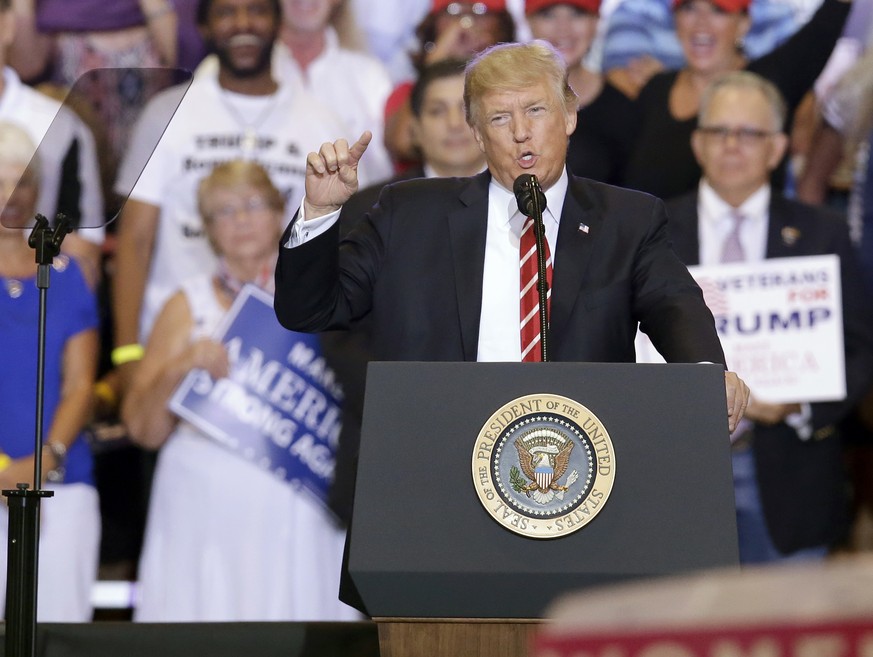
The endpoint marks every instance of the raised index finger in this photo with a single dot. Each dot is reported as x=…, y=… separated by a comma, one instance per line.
x=356, y=151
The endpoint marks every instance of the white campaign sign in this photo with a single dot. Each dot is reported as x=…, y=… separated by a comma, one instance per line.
x=781, y=325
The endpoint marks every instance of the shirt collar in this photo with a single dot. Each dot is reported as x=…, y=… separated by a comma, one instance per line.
x=714, y=208
x=555, y=194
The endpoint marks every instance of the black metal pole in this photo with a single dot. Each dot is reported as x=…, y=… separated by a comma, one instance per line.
x=22, y=567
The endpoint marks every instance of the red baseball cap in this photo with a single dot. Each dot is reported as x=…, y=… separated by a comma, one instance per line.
x=533, y=6
x=479, y=6
x=729, y=6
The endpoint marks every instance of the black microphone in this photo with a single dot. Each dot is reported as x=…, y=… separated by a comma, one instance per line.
x=524, y=188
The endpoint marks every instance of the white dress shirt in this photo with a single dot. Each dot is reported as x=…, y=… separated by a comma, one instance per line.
x=499, y=321
x=716, y=223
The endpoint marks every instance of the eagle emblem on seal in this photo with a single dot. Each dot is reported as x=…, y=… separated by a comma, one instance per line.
x=543, y=455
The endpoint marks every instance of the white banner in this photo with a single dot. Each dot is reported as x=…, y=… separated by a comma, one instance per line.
x=781, y=325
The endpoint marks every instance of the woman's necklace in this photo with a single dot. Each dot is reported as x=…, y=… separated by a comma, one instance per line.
x=249, y=140
x=232, y=285
x=14, y=286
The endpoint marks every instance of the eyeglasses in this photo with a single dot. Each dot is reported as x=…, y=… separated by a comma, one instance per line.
x=458, y=8
x=744, y=136
x=247, y=206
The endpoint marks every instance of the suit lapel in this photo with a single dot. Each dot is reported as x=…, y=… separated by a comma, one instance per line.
x=466, y=229
x=575, y=245
x=782, y=236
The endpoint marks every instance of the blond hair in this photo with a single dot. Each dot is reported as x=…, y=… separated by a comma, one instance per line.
x=235, y=174
x=513, y=67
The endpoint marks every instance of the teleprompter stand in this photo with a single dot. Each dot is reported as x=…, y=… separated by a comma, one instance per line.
x=24, y=502
x=442, y=577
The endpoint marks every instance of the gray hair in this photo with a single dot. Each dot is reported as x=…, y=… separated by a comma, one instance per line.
x=751, y=81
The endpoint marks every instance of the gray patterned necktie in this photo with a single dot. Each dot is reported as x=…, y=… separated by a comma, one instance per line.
x=732, y=249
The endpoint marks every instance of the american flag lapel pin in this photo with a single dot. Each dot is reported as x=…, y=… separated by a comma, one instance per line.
x=583, y=228
x=790, y=235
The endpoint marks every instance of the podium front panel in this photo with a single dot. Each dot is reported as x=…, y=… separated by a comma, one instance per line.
x=422, y=545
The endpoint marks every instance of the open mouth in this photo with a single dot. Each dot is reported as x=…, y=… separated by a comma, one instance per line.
x=702, y=44
x=527, y=160
x=245, y=41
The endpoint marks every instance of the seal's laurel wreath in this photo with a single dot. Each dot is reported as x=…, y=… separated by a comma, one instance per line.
x=543, y=466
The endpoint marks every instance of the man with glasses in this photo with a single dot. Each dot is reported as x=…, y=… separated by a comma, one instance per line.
x=787, y=457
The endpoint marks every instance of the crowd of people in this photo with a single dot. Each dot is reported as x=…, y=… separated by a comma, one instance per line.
x=718, y=108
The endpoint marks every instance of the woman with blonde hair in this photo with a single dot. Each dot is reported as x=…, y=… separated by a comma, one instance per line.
x=225, y=539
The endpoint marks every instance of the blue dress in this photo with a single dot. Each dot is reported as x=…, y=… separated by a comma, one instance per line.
x=69, y=539
x=71, y=309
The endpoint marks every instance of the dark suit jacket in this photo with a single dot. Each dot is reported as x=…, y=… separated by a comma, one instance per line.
x=356, y=208
x=415, y=264
x=802, y=483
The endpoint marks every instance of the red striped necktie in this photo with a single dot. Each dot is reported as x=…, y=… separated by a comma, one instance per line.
x=531, y=351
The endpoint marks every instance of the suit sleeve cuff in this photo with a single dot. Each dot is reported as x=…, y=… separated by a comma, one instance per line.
x=302, y=231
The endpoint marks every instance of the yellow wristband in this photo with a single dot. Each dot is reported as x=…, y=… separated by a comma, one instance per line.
x=5, y=461
x=127, y=354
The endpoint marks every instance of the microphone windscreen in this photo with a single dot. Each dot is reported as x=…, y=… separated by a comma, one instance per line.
x=524, y=188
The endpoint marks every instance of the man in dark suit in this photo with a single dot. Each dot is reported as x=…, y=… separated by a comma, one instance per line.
x=787, y=463
x=435, y=264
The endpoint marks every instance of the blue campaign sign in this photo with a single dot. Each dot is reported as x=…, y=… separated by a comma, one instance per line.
x=280, y=407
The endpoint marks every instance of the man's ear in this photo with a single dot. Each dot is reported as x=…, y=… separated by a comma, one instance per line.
x=478, y=137
x=778, y=148
x=697, y=146
x=570, y=122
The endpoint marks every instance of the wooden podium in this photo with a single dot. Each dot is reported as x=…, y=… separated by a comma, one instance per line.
x=459, y=637
x=442, y=577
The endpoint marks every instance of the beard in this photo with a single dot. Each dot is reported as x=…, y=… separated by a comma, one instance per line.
x=260, y=65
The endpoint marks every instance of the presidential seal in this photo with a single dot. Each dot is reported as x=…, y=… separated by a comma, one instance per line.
x=543, y=466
